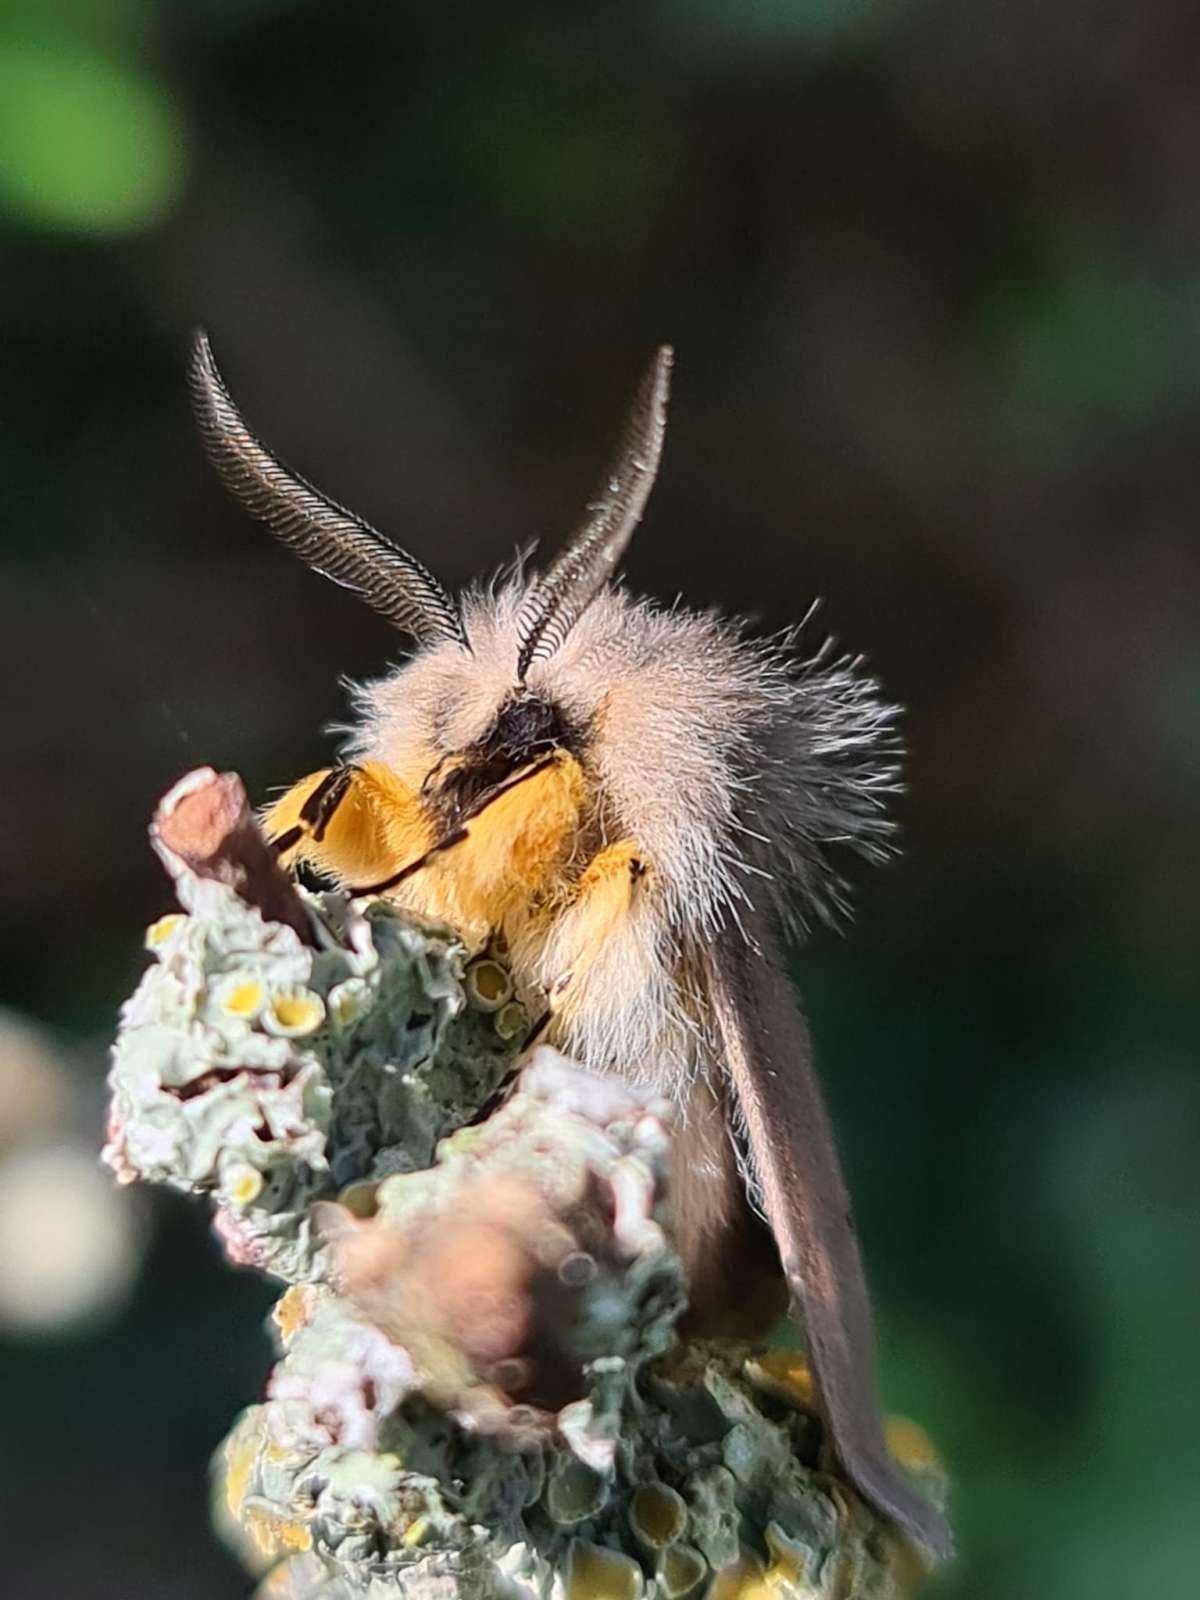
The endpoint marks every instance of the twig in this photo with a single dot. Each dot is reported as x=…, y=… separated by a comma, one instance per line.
x=204, y=825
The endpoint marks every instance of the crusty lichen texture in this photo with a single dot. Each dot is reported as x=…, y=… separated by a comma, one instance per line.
x=270, y=1074
x=479, y=1392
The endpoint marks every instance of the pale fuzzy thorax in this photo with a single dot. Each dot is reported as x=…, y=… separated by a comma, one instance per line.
x=739, y=769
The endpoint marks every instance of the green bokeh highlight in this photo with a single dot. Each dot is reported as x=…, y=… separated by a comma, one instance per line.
x=88, y=143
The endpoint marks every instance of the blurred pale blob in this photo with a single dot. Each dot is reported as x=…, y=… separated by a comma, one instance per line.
x=88, y=143
x=68, y=1240
x=34, y=1090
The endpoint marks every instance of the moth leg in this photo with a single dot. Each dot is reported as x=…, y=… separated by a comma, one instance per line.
x=352, y=822
x=282, y=820
x=475, y=823
x=603, y=898
x=318, y=810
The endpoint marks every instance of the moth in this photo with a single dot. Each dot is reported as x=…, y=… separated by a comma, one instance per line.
x=631, y=801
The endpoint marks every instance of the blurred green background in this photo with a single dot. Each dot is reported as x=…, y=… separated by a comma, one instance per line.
x=932, y=269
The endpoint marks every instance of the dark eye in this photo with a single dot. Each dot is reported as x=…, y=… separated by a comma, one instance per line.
x=524, y=731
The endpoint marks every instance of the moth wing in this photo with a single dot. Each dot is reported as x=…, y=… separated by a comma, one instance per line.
x=791, y=1146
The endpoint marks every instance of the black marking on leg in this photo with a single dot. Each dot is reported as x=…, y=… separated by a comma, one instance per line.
x=286, y=840
x=310, y=811
x=447, y=843
x=322, y=804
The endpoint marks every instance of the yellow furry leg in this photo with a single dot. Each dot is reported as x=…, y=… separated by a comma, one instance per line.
x=359, y=828
x=604, y=897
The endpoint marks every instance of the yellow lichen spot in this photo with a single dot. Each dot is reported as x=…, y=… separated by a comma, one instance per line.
x=415, y=1531
x=680, y=1569
x=294, y=1536
x=241, y=1453
x=243, y=1185
x=657, y=1515
x=909, y=1444
x=348, y=1001
x=243, y=998
x=511, y=1020
x=360, y=1198
x=159, y=932
x=274, y=1535
x=293, y=1310
x=488, y=984
x=597, y=1574
x=788, y=1566
x=743, y=1579
x=295, y=1013
x=785, y=1373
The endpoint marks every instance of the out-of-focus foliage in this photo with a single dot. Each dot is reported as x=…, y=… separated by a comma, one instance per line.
x=932, y=270
x=90, y=140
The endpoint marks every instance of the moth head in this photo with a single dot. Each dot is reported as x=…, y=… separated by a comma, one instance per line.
x=347, y=549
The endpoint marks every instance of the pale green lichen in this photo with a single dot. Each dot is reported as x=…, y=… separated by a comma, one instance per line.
x=574, y=1492
x=387, y=1448
x=246, y=1051
x=478, y=1395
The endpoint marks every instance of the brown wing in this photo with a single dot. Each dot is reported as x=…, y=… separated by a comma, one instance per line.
x=735, y=1285
x=791, y=1144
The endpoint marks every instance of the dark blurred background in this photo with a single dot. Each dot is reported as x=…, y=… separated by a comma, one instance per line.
x=932, y=269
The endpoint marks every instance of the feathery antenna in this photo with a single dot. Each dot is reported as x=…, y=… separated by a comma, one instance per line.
x=575, y=577
x=325, y=535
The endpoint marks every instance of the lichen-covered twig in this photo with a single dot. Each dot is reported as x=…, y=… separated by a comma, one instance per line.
x=204, y=826
x=479, y=1394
